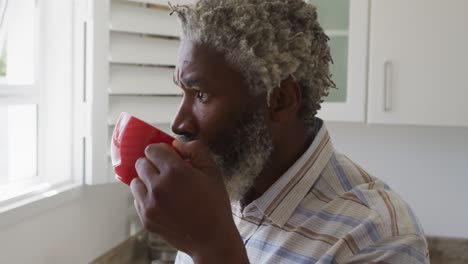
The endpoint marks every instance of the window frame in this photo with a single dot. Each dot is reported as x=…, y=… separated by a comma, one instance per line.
x=52, y=186
x=18, y=93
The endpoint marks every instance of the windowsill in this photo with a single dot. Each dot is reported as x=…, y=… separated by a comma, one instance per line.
x=37, y=203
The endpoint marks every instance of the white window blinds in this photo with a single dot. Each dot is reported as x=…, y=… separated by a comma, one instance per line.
x=141, y=53
x=142, y=56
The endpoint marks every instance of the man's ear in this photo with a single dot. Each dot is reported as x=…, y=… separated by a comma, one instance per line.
x=285, y=100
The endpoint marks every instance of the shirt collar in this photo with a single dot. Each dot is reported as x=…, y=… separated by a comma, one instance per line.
x=282, y=198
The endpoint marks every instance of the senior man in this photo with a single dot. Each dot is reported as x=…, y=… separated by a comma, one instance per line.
x=256, y=178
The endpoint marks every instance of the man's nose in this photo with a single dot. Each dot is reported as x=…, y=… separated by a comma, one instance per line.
x=184, y=121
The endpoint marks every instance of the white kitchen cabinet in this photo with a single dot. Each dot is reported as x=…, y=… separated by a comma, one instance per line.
x=418, y=64
x=346, y=22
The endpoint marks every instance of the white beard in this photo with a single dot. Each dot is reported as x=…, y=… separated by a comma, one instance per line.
x=246, y=153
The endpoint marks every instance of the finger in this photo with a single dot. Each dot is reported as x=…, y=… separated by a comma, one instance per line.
x=142, y=212
x=147, y=224
x=139, y=190
x=138, y=210
x=165, y=230
x=162, y=156
x=147, y=172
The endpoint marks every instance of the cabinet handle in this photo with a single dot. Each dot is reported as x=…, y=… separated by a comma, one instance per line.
x=387, y=86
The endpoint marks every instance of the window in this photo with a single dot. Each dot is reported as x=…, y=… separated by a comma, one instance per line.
x=19, y=93
x=17, y=40
x=37, y=80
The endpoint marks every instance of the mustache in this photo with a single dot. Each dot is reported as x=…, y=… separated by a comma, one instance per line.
x=185, y=137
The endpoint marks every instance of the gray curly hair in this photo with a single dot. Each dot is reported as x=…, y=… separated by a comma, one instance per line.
x=267, y=41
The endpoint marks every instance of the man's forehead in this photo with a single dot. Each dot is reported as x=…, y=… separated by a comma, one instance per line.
x=201, y=55
x=200, y=61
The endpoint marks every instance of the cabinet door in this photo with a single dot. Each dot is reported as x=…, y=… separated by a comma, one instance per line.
x=418, y=67
x=346, y=23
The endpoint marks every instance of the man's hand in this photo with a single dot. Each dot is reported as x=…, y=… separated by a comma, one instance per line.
x=187, y=203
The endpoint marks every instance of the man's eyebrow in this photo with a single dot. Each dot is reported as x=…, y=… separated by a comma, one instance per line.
x=191, y=82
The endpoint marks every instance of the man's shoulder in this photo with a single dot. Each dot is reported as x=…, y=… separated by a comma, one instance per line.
x=347, y=193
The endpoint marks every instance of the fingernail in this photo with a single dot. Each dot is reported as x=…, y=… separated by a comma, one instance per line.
x=132, y=184
x=138, y=161
x=147, y=150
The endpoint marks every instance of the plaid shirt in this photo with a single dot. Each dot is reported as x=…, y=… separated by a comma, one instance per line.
x=327, y=209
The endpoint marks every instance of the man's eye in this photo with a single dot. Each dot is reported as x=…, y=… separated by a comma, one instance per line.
x=201, y=95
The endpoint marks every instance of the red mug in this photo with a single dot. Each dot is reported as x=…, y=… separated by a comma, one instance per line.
x=130, y=138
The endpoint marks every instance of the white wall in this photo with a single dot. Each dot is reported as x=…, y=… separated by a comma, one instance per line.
x=76, y=232
x=427, y=166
